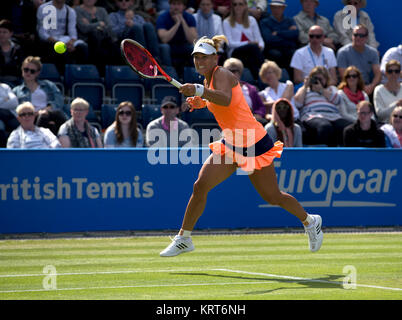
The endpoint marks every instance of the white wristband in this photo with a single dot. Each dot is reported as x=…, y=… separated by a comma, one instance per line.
x=199, y=89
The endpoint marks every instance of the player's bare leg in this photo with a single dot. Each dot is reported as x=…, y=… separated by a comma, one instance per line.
x=213, y=172
x=265, y=182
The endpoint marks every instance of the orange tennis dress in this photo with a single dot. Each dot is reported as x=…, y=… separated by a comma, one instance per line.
x=245, y=140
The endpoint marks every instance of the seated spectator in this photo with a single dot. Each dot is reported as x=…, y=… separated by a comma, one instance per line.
x=165, y=130
x=94, y=28
x=351, y=91
x=364, y=133
x=28, y=135
x=222, y=7
x=43, y=94
x=208, y=23
x=270, y=74
x=308, y=17
x=389, y=94
x=280, y=35
x=282, y=126
x=127, y=24
x=177, y=28
x=318, y=104
x=8, y=120
x=123, y=132
x=250, y=92
x=314, y=55
x=22, y=14
x=393, y=129
x=77, y=132
x=257, y=8
x=346, y=34
x=394, y=53
x=361, y=55
x=244, y=37
x=146, y=9
x=65, y=30
x=11, y=55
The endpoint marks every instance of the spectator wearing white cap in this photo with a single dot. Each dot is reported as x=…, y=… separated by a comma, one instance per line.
x=309, y=17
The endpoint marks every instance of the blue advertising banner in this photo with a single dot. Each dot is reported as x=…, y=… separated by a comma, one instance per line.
x=71, y=190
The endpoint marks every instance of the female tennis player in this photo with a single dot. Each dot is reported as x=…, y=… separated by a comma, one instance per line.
x=245, y=144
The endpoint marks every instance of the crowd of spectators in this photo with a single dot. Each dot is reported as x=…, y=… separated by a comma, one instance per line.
x=330, y=80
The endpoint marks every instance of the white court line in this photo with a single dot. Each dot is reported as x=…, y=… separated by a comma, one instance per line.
x=140, y=286
x=304, y=279
x=98, y=272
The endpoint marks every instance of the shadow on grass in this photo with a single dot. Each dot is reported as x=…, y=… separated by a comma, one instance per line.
x=325, y=282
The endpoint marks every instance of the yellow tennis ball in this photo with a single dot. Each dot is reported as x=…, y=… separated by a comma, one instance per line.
x=60, y=47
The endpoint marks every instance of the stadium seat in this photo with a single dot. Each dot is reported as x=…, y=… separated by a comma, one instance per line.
x=191, y=76
x=120, y=74
x=159, y=91
x=133, y=92
x=150, y=112
x=50, y=72
x=199, y=115
x=248, y=77
x=171, y=71
x=94, y=93
x=213, y=132
x=108, y=114
x=83, y=73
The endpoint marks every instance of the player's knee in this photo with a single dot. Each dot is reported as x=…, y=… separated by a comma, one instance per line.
x=200, y=188
x=273, y=199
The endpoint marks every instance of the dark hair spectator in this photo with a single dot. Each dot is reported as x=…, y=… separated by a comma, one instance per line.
x=364, y=132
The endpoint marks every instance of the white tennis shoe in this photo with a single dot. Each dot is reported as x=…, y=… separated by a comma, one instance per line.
x=179, y=245
x=315, y=235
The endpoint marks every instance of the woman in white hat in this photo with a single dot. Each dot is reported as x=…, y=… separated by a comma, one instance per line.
x=362, y=17
x=245, y=145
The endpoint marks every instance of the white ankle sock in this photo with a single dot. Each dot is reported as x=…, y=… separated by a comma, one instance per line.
x=186, y=233
x=309, y=220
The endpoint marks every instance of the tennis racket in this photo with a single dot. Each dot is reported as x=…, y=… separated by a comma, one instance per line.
x=143, y=63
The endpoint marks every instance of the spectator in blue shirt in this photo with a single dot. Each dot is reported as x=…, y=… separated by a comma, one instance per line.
x=177, y=28
x=280, y=35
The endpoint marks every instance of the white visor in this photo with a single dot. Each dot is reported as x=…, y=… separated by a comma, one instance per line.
x=203, y=47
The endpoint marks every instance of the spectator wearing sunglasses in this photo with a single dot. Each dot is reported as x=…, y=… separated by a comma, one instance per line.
x=28, y=135
x=363, y=133
x=44, y=95
x=388, y=95
x=123, y=132
x=394, y=53
x=165, y=130
x=313, y=55
x=393, y=130
x=351, y=91
x=250, y=92
x=346, y=34
x=77, y=132
x=360, y=54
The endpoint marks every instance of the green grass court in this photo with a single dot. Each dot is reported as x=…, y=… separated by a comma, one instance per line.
x=254, y=266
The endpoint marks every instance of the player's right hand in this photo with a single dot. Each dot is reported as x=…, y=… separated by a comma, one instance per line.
x=196, y=102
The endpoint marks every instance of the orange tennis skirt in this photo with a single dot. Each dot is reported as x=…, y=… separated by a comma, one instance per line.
x=258, y=156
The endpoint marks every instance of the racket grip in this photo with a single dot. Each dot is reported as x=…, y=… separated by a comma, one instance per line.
x=176, y=83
